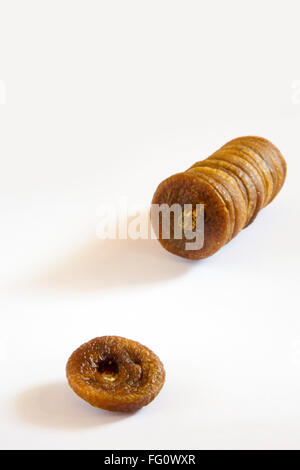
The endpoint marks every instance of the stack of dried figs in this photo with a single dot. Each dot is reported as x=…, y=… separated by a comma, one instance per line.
x=232, y=185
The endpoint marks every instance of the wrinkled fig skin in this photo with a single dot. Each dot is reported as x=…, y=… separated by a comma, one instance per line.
x=233, y=184
x=115, y=374
x=188, y=188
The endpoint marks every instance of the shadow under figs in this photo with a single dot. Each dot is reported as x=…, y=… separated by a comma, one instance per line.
x=102, y=264
x=55, y=406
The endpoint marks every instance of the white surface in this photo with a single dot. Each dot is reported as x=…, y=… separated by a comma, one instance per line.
x=106, y=99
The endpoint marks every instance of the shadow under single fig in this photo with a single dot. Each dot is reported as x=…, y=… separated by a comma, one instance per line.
x=102, y=264
x=54, y=405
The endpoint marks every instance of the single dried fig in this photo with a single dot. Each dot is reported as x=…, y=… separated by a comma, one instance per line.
x=115, y=374
x=186, y=188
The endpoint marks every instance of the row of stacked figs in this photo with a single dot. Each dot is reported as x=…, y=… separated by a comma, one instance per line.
x=233, y=184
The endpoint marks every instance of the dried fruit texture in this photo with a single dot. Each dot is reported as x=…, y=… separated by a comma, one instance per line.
x=221, y=189
x=259, y=164
x=236, y=195
x=234, y=158
x=233, y=184
x=115, y=374
x=271, y=155
x=185, y=188
x=245, y=183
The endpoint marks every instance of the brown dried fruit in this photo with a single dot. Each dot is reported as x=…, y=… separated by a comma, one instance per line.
x=233, y=184
x=245, y=183
x=185, y=188
x=265, y=161
x=203, y=175
x=265, y=164
x=233, y=157
x=277, y=159
x=225, y=167
x=115, y=374
x=251, y=157
x=227, y=181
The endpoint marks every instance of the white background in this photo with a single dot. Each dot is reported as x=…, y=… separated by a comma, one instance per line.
x=105, y=99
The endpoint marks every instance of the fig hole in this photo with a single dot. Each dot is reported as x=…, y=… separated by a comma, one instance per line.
x=108, y=369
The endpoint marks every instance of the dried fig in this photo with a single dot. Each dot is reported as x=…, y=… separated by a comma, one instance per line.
x=185, y=188
x=115, y=374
